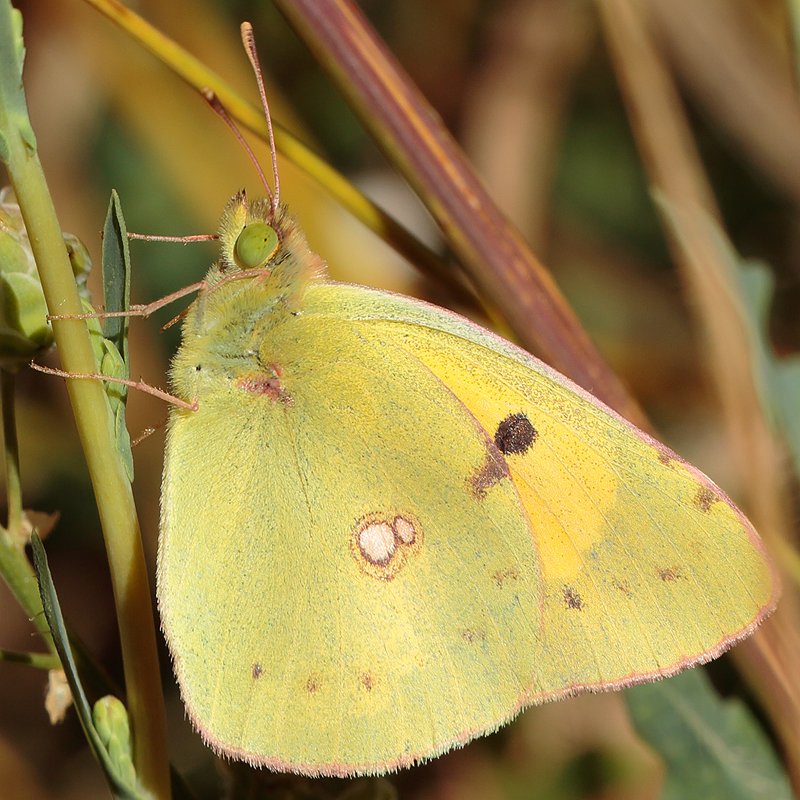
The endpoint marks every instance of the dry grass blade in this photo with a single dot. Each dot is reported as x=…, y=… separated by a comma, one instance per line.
x=197, y=75
x=690, y=216
x=516, y=110
x=414, y=138
x=730, y=65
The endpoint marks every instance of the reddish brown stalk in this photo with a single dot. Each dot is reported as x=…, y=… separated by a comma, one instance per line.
x=414, y=138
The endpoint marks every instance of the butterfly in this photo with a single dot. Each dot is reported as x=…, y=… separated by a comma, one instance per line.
x=386, y=530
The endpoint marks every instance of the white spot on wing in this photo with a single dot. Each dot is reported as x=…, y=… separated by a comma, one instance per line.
x=404, y=529
x=382, y=542
x=376, y=542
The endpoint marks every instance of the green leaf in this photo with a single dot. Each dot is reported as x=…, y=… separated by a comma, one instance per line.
x=778, y=378
x=780, y=382
x=116, y=276
x=14, y=120
x=120, y=788
x=24, y=330
x=115, y=361
x=713, y=749
x=786, y=389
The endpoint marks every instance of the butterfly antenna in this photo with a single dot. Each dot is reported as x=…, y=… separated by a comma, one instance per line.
x=250, y=46
x=215, y=103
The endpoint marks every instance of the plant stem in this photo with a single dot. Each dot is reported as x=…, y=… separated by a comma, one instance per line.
x=37, y=660
x=14, y=567
x=16, y=570
x=13, y=483
x=95, y=427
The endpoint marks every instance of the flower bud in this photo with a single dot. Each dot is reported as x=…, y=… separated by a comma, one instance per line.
x=24, y=330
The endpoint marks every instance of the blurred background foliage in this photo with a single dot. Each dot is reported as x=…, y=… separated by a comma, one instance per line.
x=528, y=89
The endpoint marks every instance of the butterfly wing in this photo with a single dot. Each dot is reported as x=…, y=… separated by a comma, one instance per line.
x=438, y=530
x=339, y=593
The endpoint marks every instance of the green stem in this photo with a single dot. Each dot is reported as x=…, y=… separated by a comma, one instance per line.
x=15, y=569
x=95, y=426
x=13, y=483
x=37, y=660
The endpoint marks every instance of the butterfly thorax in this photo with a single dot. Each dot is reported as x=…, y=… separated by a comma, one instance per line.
x=243, y=298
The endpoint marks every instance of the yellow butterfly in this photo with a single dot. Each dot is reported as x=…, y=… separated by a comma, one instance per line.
x=386, y=530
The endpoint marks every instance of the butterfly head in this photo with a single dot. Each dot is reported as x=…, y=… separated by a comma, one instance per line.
x=257, y=237
x=260, y=236
x=249, y=234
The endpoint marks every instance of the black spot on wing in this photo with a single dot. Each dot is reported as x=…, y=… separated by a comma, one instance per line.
x=515, y=434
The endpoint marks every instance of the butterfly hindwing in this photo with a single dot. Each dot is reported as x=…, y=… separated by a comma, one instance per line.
x=381, y=574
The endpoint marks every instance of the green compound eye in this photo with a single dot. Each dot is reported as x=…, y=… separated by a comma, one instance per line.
x=255, y=244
